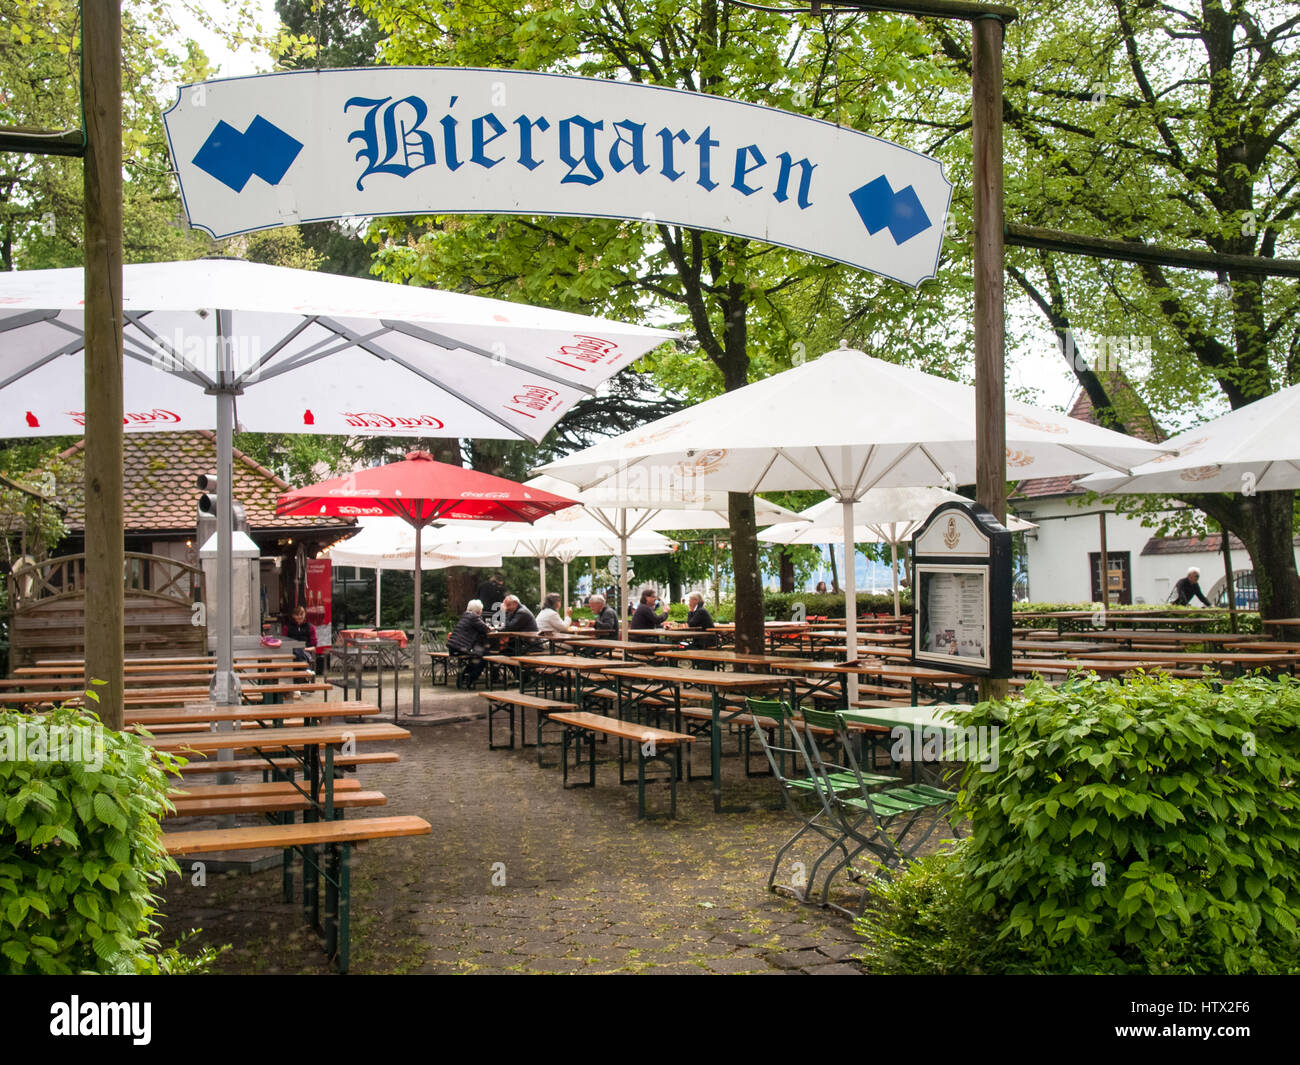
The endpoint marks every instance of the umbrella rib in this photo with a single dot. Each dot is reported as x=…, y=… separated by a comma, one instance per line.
x=183, y=368
x=857, y=481
x=776, y=454
x=405, y=364
x=256, y=368
x=67, y=349
x=901, y=456
x=22, y=319
x=451, y=344
x=1084, y=453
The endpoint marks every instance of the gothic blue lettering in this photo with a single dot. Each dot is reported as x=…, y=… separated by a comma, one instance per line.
x=743, y=170
x=481, y=142
x=705, y=142
x=588, y=128
x=636, y=130
x=526, y=125
x=449, y=153
x=783, y=180
x=396, y=130
x=667, y=136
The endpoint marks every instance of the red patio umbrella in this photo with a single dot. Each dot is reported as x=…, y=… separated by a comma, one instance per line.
x=420, y=491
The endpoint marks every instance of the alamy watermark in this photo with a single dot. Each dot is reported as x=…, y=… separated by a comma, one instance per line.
x=26, y=742
x=930, y=743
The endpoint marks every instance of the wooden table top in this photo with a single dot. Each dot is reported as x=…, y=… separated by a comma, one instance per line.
x=580, y=663
x=725, y=657
x=640, y=647
x=200, y=715
x=905, y=672
x=302, y=736
x=698, y=678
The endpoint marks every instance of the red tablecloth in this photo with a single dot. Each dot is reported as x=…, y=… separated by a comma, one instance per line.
x=349, y=635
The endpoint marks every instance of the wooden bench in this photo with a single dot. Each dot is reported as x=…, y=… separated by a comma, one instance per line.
x=336, y=836
x=287, y=802
x=260, y=765
x=508, y=702
x=582, y=728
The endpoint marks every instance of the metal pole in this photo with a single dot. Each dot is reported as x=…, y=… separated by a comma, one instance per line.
x=378, y=577
x=415, y=658
x=850, y=598
x=225, y=687
x=101, y=90
x=990, y=331
x=893, y=564
x=622, y=574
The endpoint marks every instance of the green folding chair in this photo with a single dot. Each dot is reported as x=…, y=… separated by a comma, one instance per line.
x=890, y=824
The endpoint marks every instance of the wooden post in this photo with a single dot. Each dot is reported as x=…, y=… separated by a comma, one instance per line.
x=990, y=331
x=101, y=91
x=1227, y=576
x=1103, y=564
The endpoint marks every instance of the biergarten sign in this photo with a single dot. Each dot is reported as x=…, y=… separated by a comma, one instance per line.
x=277, y=149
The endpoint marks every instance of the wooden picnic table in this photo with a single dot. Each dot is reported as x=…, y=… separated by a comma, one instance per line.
x=609, y=647
x=209, y=713
x=814, y=677
x=571, y=666
x=916, y=676
x=658, y=681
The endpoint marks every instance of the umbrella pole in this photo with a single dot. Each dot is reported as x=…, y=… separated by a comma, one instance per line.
x=415, y=659
x=378, y=576
x=564, y=598
x=850, y=599
x=225, y=687
x=893, y=564
x=622, y=575
x=541, y=570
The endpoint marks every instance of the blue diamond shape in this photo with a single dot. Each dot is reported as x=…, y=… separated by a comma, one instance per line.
x=880, y=207
x=233, y=157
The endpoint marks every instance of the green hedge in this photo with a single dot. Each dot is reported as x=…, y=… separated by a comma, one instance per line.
x=1144, y=827
x=81, y=849
x=1023, y=614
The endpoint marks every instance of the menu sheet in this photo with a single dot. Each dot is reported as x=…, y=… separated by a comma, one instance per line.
x=956, y=611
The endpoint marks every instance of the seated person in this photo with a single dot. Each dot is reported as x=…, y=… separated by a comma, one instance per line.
x=821, y=588
x=299, y=628
x=606, y=621
x=549, y=620
x=699, y=618
x=518, y=619
x=645, y=616
x=469, y=638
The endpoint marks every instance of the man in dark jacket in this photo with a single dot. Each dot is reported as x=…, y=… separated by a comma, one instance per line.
x=645, y=617
x=699, y=618
x=606, y=622
x=469, y=638
x=492, y=591
x=518, y=619
x=1189, y=588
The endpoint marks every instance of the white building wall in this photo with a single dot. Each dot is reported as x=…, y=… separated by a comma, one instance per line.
x=1058, y=553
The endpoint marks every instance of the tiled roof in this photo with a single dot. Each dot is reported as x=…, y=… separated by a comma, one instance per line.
x=1187, y=545
x=1131, y=409
x=159, y=470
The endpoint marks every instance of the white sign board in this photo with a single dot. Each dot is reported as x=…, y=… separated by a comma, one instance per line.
x=304, y=146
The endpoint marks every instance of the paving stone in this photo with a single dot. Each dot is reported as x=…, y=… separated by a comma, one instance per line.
x=796, y=959
x=838, y=968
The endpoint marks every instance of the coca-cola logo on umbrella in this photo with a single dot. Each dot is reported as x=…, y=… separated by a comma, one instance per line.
x=156, y=416
x=375, y=420
x=533, y=398
x=585, y=352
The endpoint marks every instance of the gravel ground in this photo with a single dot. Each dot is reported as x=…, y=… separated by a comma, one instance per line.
x=520, y=875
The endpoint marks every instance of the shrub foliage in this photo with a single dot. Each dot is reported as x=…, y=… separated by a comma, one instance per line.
x=1150, y=826
x=80, y=849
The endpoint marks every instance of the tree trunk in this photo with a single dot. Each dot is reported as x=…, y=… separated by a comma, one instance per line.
x=749, y=584
x=835, y=572
x=786, y=570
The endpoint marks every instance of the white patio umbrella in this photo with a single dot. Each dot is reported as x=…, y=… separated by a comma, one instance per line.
x=629, y=507
x=553, y=536
x=1255, y=448
x=844, y=423
x=389, y=543
x=299, y=351
x=883, y=515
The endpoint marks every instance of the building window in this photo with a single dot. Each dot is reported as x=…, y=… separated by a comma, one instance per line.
x=1121, y=589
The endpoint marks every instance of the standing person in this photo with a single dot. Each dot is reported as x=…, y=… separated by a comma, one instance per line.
x=700, y=618
x=299, y=628
x=469, y=639
x=549, y=620
x=645, y=616
x=1188, y=588
x=492, y=591
x=606, y=620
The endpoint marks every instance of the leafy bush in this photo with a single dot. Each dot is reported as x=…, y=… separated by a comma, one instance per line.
x=1143, y=827
x=1025, y=614
x=80, y=846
